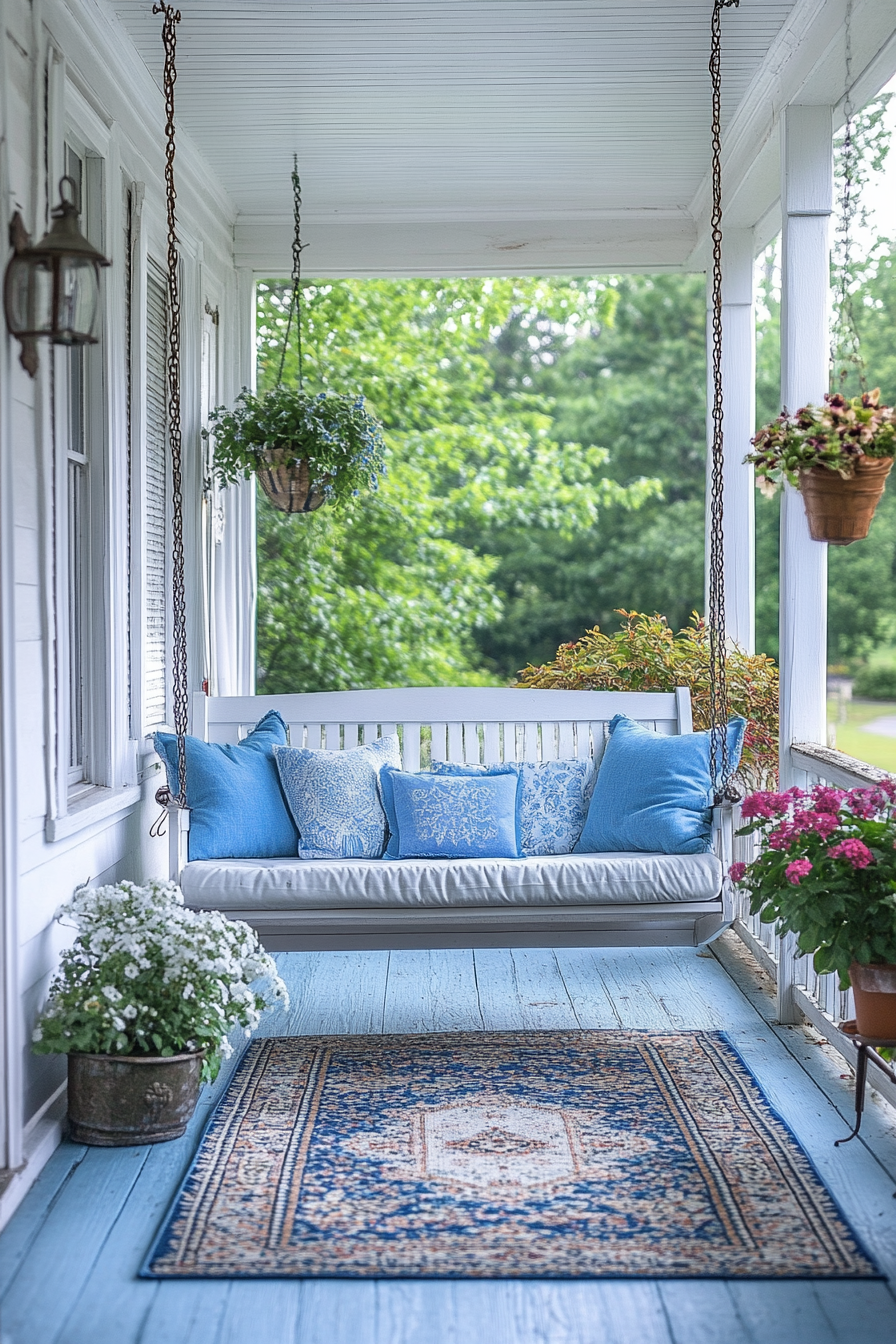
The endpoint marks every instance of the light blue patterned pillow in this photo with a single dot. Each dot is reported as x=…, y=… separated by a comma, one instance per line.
x=451, y=817
x=334, y=799
x=553, y=800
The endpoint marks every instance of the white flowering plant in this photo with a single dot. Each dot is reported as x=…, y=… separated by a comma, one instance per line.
x=147, y=976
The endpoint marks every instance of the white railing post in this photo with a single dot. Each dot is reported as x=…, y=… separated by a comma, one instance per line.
x=807, y=197
x=739, y=400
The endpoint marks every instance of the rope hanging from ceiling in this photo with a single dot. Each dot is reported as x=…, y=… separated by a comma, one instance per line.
x=719, y=764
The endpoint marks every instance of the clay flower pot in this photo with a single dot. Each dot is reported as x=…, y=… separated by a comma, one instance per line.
x=287, y=483
x=116, y=1100
x=840, y=512
x=874, y=990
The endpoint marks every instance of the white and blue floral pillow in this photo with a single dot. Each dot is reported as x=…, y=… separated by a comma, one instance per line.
x=439, y=816
x=334, y=798
x=553, y=800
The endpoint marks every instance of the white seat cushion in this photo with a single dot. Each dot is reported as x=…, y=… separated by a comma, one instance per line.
x=556, y=879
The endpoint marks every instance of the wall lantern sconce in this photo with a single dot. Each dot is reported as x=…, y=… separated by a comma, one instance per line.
x=52, y=288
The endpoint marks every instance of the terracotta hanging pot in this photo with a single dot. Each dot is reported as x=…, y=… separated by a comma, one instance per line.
x=874, y=990
x=117, y=1100
x=287, y=483
x=839, y=511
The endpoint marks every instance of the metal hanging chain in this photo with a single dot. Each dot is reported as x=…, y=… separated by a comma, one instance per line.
x=719, y=764
x=845, y=340
x=180, y=684
x=295, y=303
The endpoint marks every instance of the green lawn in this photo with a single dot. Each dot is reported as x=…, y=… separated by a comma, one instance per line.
x=852, y=737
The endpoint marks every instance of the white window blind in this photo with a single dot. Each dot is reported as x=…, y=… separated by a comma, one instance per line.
x=156, y=547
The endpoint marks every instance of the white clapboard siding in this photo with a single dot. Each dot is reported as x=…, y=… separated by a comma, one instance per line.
x=155, y=513
x=463, y=724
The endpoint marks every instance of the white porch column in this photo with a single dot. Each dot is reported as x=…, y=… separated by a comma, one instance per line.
x=739, y=393
x=235, y=572
x=807, y=199
x=806, y=203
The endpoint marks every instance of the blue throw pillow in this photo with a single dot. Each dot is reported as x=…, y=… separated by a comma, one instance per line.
x=653, y=792
x=334, y=798
x=237, y=808
x=553, y=800
x=452, y=816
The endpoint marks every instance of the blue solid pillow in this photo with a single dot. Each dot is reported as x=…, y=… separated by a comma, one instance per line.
x=653, y=792
x=334, y=798
x=237, y=808
x=451, y=816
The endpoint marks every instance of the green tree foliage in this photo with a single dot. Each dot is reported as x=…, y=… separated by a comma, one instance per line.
x=395, y=590
x=637, y=389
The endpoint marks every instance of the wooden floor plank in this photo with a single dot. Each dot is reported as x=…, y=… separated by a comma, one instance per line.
x=431, y=991
x=259, y=1310
x=338, y=993
x=792, y=1313
x=523, y=990
x=18, y=1237
x=703, y=1312
x=187, y=1313
x=336, y=1312
x=72, y=1237
x=588, y=994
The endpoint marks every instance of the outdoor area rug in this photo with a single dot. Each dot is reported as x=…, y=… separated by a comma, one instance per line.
x=560, y=1154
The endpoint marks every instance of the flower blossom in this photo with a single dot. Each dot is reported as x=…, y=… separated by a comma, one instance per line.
x=854, y=852
x=781, y=838
x=798, y=869
x=765, y=805
x=827, y=799
x=822, y=823
x=865, y=803
x=737, y=872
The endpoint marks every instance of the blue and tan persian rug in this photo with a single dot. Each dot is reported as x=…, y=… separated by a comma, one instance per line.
x=495, y=1155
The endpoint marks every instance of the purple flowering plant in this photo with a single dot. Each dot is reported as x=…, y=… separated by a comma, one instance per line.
x=826, y=871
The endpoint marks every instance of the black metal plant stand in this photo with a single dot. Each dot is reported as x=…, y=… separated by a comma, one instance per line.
x=865, y=1046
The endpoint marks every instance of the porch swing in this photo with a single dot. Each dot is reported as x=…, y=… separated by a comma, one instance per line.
x=622, y=897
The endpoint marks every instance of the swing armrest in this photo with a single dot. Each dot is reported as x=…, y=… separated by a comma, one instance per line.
x=178, y=835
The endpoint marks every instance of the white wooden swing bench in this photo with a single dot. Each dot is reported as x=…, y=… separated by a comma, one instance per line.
x=569, y=900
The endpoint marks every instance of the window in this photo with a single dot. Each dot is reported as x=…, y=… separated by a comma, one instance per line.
x=82, y=415
x=155, y=499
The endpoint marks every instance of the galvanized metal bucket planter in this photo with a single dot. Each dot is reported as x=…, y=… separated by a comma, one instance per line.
x=839, y=511
x=287, y=483
x=874, y=991
x=117, y=1100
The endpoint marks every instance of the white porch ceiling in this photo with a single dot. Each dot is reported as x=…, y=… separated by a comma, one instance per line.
x=486, y=136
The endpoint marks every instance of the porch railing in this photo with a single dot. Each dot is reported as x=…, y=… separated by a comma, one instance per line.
x=801, y=991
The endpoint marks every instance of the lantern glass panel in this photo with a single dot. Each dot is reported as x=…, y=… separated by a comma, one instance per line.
x=29, y=296
x=77, y=301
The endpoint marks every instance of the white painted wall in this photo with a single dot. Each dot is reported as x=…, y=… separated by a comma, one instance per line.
x=99, y=87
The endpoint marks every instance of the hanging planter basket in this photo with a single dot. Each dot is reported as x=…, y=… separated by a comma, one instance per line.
x=840, y=511
x=287, y=482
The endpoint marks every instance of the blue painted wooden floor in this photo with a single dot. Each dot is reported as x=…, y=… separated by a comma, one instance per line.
x=69, y=1257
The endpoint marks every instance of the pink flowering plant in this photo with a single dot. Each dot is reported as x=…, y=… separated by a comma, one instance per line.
x=826, y=871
